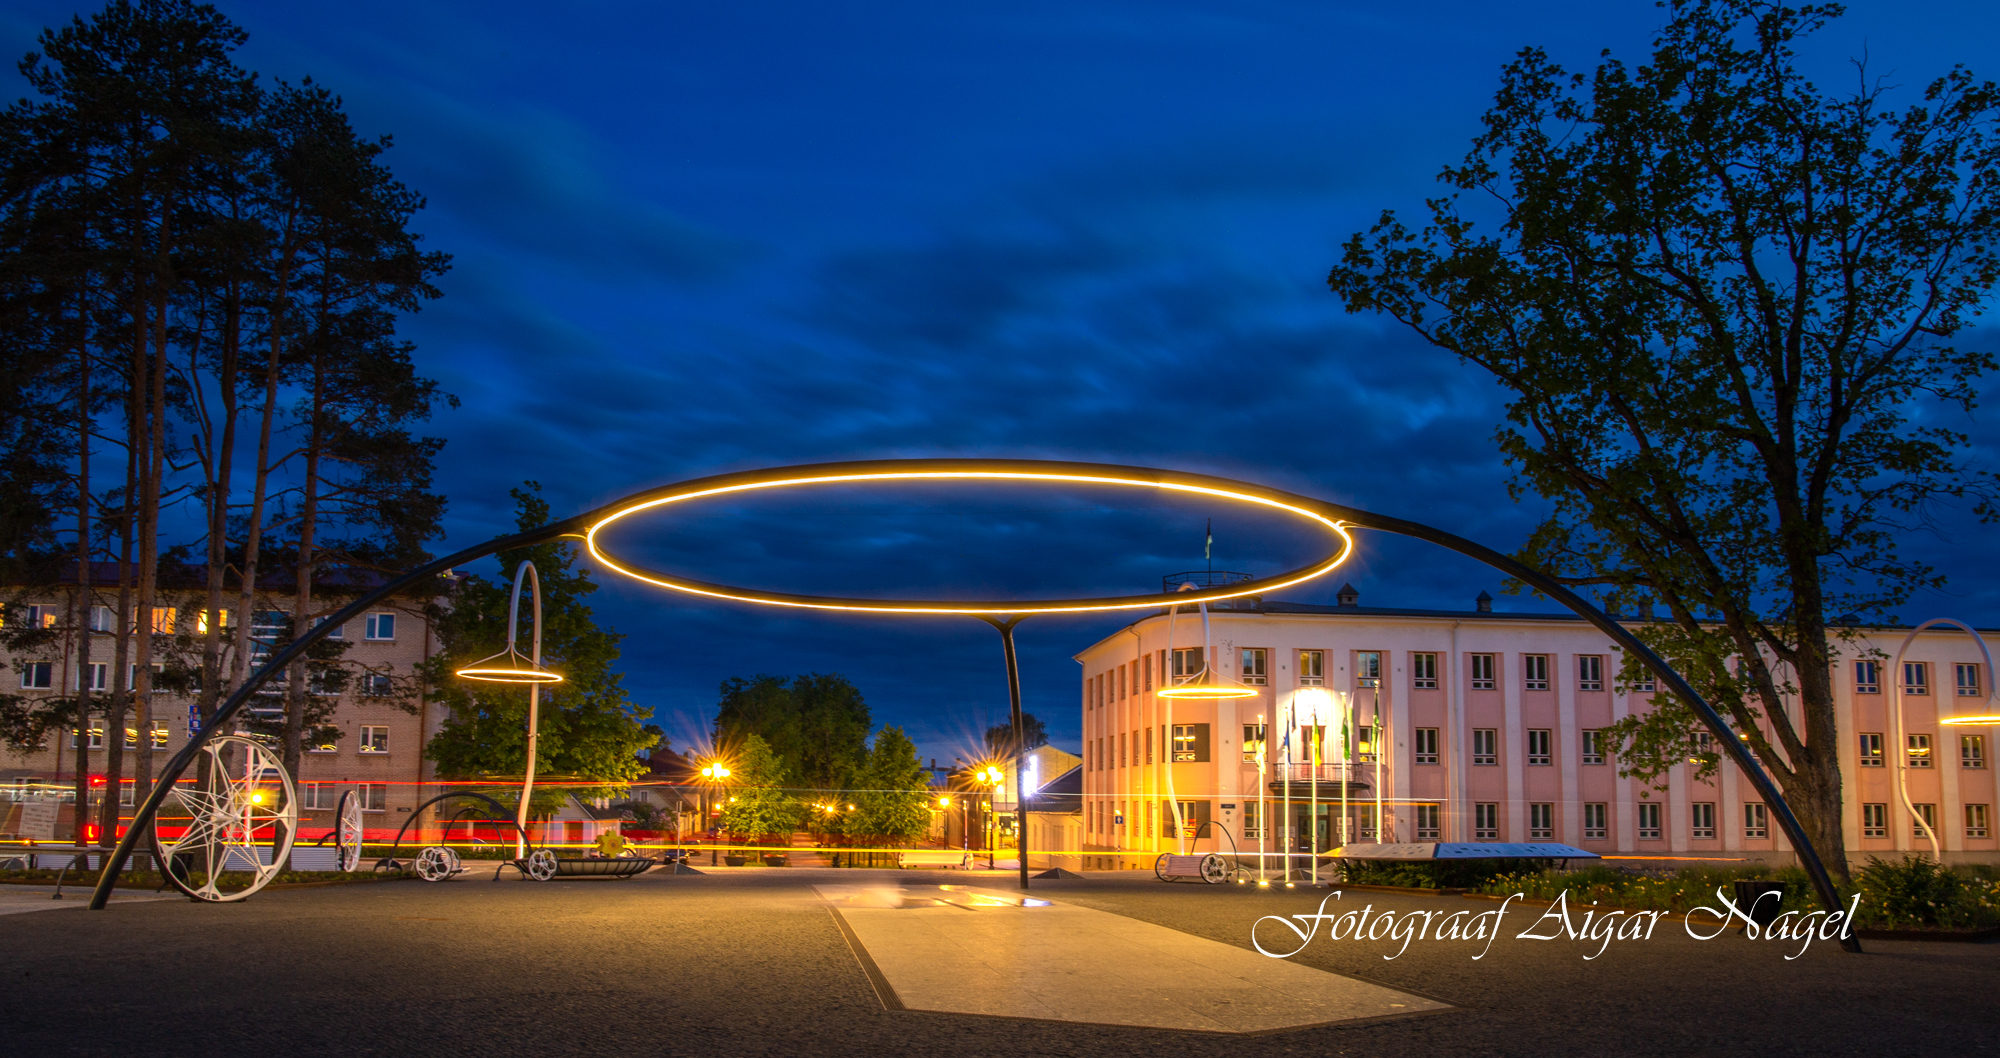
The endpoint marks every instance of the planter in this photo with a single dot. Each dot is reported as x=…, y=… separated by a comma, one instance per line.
x=734, y=861
x=777, y=859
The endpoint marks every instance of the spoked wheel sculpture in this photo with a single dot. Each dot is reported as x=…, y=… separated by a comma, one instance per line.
x=347, y=833
x=441, y=863
x=237, y=820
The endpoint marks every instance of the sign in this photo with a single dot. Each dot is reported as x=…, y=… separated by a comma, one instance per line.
x=194, y=720
x=38, y=821
x=1118, y=819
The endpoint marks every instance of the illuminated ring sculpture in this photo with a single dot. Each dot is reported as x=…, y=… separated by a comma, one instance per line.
x=243, y=806
x=941, y=470
x=347, y=833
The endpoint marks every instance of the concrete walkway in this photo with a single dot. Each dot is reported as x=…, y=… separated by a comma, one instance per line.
x=18, y=899
x=967, y=950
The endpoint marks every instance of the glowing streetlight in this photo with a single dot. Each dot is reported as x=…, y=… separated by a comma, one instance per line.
x=713, y=773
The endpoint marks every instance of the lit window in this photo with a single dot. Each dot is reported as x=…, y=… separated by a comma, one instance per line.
x=1589, y=672
x=163, y=620
x=1426, y=745
x=1535, y=672
x=1871, y=749
x=1256, y=665
x=1486, y=821
x=1920, y=751
x=1968, y=680
x=1975, y=821
x=201, y=621
x=1312, y=668
x=381, y=626
x=1538, y=746
x=96, y=736
x=1253, y=743
x=1867, y=678
x=1485, y=745
x=1482, y=671
x=1701, y=819
x=1874, y=820
x=1541, y=821
x=1190, y=743
x=1364, y=743
x=374, y=739
x=1649, y=820
x=38, y=676
x=1594, y=816
x=1253, y=819
x=1924, y=823
x=1368, y=668
x=1972, y=751
x=1916, y=677
x=1424, y=672
x=1593, y=746
x=1756, y=821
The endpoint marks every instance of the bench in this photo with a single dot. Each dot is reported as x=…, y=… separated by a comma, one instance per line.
x=1207, y=867
x=933, y=858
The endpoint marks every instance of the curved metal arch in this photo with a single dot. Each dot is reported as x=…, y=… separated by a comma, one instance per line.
x=576, y=526
x=419, y=810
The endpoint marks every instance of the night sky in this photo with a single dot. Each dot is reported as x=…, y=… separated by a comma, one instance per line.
x=699, y=238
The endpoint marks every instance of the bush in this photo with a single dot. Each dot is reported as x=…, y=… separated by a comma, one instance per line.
x=1433, y=874
x=1916, y=893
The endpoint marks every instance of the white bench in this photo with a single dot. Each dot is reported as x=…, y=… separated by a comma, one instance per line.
x=933, y=858
x=1207, y=867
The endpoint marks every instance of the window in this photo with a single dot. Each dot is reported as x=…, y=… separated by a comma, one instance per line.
x=1594, y=816
x=1871, y=749
x=1190, y=743
x=1916, y=677
x=1364, y=744
x=1756, y=821
x=1486, y=821
x=319, y=796
x=1150, y=808
x=1701, y=819
x=38, y=676
x=127, y=792
x=96, y=736
x=1427, y=822
x=1482, y=672
x=1256, y=665
x=1149, y=745
x=1920, y=751
x=325, y=682
x=1541, y=821
x=374, y=796
x=377, y=685
x=374, y=739
x=1642, y=681
x=100, y=676
x=1427, y=745
x=324, y=747
x=1967, y=677
x=1975, y=821
x=1593, y=746
x=1121, y=749
x=1121, y=683
x=1312, y=668
x=1874, y=821
x=159, y=736
x=1649, y=820
x=266, y=628
x=1538, y=746
x=1485, y=745
x=1253, y=743
x=1368, y=668
x=102, y=619
x=381, y=626
x=1924, y=823
x=1535, y=672
x=1146, y=670
x=1589, y=672
x=1972, y=751
x=1253, y=819
x=1867, y=678
x=1424, y=671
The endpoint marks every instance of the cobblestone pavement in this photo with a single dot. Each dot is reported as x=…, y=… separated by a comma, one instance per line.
x=752, y=962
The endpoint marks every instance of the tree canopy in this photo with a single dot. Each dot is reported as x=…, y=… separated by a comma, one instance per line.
x=1723, y=304
x=816, y=724
x=892, y=795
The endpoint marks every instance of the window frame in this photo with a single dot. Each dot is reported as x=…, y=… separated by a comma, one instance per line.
x=1253, y=735
x=1423, y=670
x=1874, y=819
x=1650, y=826
x=1756, y=820
x=1538, y=747
x=1427, y=822
x=1541, y=821
x=1534, y=672
x=38, y=675
x=374, y=796
x=1424, y=746
x=1491, y=737
x=1596, y=821
x=1867, y=677
x=1701, y=820
x=1489, y=666
x=1978, y=827
x=1967, y=688
x=1486, y=821
x=1917, y=678
x=1917, y=745
x=374, y=740
x=1258, y=675
x=1312, y=668
x=1590, y=672
x=1972, y=752
x=372, y=629
x=1368, y=668
x=1870, y=745
x=1591, y=745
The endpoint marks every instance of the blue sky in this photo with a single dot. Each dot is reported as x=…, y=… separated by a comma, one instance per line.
x=696, y=238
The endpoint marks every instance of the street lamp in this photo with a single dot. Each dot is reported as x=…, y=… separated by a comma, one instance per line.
x=712, y=774
x=1901, y=744
x=991, y=775
x=509, y=666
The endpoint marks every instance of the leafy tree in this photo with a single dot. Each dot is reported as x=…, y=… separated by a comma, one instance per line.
x=1722, y=302
x=892, y=794
x=758, y=805
x=1000, y=737
x=589, y=729
x=816, y=724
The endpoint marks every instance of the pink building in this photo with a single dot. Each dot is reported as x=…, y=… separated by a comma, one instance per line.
x=1478, y=725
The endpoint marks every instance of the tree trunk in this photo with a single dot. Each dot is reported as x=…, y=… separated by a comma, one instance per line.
x=80, y=607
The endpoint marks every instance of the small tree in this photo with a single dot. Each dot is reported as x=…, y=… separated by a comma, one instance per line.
x=892, y=801
x=758, y=806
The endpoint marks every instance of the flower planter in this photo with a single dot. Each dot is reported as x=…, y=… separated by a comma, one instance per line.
x=779, y=860
x=734, y=861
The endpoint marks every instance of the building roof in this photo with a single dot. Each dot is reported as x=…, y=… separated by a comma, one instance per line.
x=1064, y=793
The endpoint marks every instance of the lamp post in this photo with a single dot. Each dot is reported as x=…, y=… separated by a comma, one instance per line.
x=712, y=775
x=991, y=776
x=1901, y=744
x=509, y=666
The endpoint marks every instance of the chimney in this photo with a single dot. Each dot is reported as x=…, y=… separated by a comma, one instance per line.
x=1347, y=596
x=1484, y=602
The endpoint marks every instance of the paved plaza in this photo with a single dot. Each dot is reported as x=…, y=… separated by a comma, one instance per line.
x=794, y=961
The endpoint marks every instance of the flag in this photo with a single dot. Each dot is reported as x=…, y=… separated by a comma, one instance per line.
x=1208, y=547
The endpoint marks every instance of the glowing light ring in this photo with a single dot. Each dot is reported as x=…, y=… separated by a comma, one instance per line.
x=511, y=675
x=1984, y=719
x=1230, y=490
x=1206, y=691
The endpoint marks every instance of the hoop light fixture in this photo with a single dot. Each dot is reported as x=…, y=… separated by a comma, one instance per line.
x=508, y=666
x=938, y=470
x=1206, y=688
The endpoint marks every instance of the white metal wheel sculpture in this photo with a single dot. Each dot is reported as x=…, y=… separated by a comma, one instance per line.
x=347, y=833
x=437, y=864
x=237, y=820
x=541, y=865
x=1214, y=870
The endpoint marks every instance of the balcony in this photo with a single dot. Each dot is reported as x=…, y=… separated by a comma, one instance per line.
x=1211, y=578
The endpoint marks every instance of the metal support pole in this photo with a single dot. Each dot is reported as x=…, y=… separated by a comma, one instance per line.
x=1006, y=627
x=527, y=569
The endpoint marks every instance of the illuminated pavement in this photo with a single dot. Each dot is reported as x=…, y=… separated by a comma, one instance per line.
x=968, y=950
x=754, y=962
x=17, y=899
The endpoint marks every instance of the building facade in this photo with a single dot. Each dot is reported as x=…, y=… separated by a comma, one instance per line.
x=1483, y=726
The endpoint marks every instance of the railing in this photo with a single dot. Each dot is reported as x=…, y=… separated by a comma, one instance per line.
x=1356, y=772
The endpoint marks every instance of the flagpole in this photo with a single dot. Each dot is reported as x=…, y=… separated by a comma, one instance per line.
x=1314, y=747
